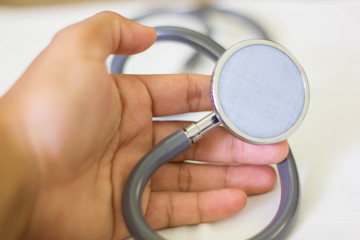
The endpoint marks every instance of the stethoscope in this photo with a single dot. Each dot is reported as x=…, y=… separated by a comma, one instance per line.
x=259, y=93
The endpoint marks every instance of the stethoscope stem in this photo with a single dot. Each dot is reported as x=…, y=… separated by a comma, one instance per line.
x=196, y=130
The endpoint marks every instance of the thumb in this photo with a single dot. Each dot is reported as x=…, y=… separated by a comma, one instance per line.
x=103, y=34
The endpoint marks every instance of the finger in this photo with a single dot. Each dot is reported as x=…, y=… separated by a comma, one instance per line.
x=186, y=177
x=174, y=94
x=103, y=34
x=219, y=146
x=171, y=209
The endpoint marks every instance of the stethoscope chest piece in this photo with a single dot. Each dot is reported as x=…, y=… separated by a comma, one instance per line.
x=259, y=91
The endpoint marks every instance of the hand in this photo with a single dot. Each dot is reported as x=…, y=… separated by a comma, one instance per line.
x=85, y=129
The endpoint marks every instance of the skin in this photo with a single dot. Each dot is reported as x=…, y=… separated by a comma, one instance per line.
x=70, y=133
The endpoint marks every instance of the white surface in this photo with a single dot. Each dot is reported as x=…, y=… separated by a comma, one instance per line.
x=324, y=36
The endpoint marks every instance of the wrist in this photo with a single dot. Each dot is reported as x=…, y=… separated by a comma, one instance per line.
x=18, y=178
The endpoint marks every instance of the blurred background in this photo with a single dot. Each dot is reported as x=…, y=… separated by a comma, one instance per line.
x=22, y=3
x=322, y=35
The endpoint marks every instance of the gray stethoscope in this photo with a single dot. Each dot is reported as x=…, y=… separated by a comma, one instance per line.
x=259, y=93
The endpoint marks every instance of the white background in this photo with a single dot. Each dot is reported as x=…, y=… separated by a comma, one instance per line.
x=324, y=36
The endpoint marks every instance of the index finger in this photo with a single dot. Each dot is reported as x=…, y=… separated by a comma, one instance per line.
x=174, y=93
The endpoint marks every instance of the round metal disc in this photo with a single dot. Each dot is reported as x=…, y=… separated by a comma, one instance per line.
x=259, y=91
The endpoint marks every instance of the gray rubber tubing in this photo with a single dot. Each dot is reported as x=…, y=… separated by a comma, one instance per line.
x=178, y=142
x=199, y=41
x=203, y=14
x=162, y=153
